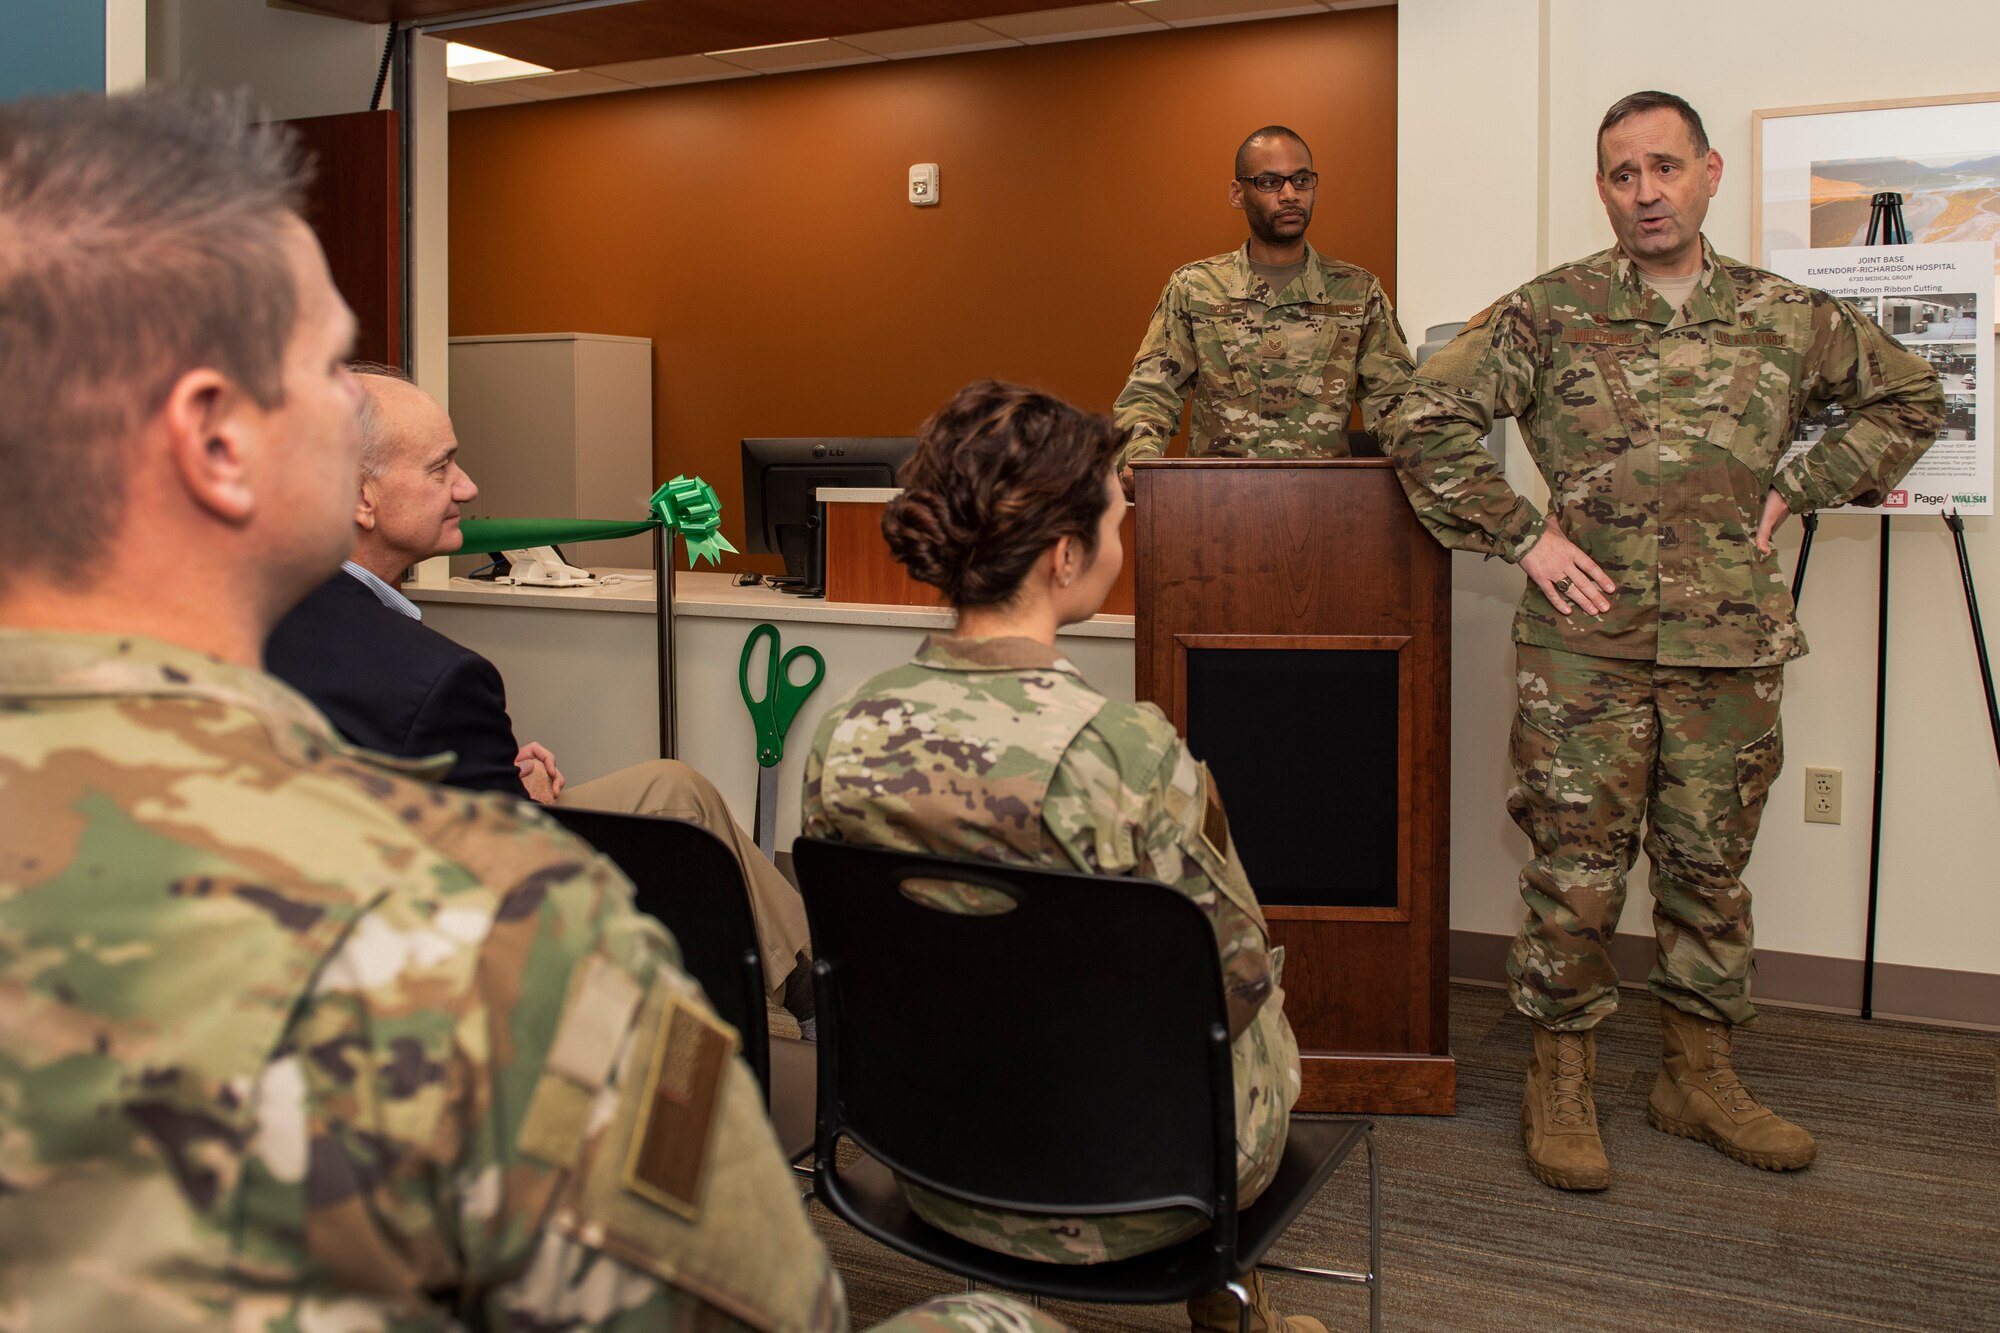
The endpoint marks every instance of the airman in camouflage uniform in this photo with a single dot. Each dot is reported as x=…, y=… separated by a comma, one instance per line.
x=1275, y=371
x=1659, y=431
x=290, y=1035
x=289, y=1038
x=1074, y=781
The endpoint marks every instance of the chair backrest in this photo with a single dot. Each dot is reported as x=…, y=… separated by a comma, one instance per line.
x=685, y=878
x=1070, y=1055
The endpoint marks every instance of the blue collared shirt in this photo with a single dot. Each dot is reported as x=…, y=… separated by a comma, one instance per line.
x=385, y=593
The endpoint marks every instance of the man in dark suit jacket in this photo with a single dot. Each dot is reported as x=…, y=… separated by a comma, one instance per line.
x=334, y=647
x=360, y=651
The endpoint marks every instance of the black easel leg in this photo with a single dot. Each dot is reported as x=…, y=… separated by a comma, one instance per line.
x=1811, y=522
x=1881, y=728
x=1957, y=526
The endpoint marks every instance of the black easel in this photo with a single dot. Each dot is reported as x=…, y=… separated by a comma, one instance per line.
x=1886, y=227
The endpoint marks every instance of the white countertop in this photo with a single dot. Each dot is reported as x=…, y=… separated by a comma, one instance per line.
x=698, y=593
x=636, y=595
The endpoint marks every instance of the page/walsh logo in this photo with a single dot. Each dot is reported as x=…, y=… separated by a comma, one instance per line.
x=1897, y=500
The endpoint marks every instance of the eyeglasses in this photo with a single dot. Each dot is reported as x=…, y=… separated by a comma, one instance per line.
x=1270, y=182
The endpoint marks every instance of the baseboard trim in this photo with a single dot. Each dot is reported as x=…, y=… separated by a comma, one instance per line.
x=1931, y=995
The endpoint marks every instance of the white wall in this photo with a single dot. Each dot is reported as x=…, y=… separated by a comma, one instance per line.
x=124, y=44
x=297, y=64
x=1498, y=106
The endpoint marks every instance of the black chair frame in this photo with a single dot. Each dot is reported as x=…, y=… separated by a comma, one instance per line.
x=927, y=1080
x=684, y=877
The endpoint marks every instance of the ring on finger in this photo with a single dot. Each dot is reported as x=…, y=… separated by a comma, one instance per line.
x=1564, y=583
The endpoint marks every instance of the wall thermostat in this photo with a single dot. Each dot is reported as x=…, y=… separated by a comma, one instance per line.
x=924, y=183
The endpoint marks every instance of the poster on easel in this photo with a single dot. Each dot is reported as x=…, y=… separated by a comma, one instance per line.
x=1937, y=301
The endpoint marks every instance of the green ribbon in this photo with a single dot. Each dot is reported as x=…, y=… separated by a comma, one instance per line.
x=686, y=505
x=513, y=534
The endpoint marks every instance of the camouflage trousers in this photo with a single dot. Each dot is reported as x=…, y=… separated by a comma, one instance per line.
x=1602, y=746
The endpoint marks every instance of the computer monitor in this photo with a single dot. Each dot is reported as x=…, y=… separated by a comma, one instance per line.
x=781, y=478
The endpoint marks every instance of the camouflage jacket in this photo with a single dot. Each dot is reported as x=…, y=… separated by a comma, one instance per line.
x=289, y=1039
x=1659, y=433
x=1275, y=373
x=1059, y=776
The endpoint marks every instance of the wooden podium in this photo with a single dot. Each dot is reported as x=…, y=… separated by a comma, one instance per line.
x=1294, y=620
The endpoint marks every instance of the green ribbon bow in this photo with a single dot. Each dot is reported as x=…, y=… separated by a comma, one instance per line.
x=687, y=505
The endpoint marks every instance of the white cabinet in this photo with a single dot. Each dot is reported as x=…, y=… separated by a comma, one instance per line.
x=558, y=425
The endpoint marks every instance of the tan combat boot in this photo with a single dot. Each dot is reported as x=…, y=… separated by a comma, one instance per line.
x=1216, y=1312
x=1698, y=1096
x=1559, y=1115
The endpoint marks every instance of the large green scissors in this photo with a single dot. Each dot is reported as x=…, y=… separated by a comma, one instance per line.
x=772, y=716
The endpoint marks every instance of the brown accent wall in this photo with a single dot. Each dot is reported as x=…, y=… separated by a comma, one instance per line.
x=355, y=206
x=757, y=230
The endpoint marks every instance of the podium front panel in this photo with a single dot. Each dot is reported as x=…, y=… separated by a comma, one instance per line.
x=1293, y=619
x=1303, y=738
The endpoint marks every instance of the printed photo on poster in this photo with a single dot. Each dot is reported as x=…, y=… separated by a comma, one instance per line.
x=1936, y=300
x=1818, y=169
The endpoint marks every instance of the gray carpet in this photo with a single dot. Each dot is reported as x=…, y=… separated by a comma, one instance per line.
x=1897, y=1226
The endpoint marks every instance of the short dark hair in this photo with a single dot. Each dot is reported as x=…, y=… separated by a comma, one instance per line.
x=1267, y=132
x=1652, y=100
x=1000, y=473
x=141, y=237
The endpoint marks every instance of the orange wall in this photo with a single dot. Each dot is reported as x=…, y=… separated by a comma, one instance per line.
x=758, y=232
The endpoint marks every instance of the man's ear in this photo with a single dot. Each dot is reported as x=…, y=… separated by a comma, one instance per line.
x=364, y=506
x=1236, y=194
x=1714, y=172
x=212, y=434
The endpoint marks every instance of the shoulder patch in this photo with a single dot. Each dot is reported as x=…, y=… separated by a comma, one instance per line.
x=668, y=1156
x=1480, y=320
x=1214, y=823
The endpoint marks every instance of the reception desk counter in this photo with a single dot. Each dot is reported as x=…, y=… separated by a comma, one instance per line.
x=579, y=667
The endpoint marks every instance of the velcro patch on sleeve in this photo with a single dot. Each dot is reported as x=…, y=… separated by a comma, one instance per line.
x=1600, y=337
x=1479, y=320
x=1214, y=823
x=668, y=1156
x=558, y=1116
x=601, y=1003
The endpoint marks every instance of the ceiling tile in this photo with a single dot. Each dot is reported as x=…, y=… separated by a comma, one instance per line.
x=1196, y=13
x=569, y=83
x=472, y=96
x=932, y=39
x=823, y=53
x=1068, y=25
x=671, y=69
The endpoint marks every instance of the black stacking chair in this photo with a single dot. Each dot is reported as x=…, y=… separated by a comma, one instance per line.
x=1068, y=1056
x=685, y=878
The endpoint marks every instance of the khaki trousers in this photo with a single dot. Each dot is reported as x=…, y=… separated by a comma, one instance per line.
x=669, y=789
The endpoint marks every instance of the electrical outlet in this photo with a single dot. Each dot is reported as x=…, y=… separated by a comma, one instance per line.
x=1822, y=795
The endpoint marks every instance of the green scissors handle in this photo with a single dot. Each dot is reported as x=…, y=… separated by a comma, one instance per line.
x=773, y=713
